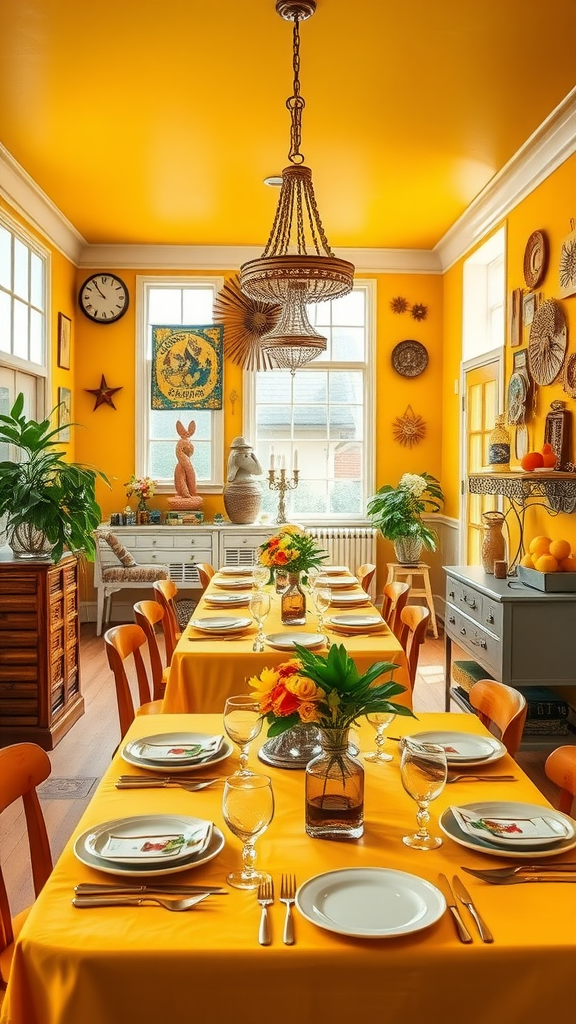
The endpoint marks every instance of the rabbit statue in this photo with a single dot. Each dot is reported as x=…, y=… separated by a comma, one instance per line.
x=243, y=493
x=184, y=474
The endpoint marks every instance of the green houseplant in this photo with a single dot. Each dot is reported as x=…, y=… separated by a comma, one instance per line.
x=397, y=513
x=49, y=504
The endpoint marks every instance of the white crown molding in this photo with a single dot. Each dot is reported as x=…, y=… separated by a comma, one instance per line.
x=546, y=149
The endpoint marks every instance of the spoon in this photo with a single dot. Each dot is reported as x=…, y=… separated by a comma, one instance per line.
x=481, y=778
x=139, y=901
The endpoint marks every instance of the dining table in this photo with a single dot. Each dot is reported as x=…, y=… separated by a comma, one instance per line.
x=113, y=965
x=205, y=669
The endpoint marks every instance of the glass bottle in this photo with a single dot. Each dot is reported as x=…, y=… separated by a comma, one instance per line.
x=293, y=602
x=493, y=542
x=499, y=446
x=335, y=790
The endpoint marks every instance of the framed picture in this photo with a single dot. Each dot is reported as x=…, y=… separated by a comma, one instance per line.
x=64, y=404
x=520, y=360
x=64, y=336
x=528, y=308
x=516, y=318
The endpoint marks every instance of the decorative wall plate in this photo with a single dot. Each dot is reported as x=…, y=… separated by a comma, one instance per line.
x=535, y=259
x=409, y=358
x=517, y=393
x=548, y=341
x=409, y=429
x=569, y=382
x=567, y=269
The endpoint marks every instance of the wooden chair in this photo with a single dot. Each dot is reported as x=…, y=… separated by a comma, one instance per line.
x=147, y=615
x=121, y=642
x=205, y=572
x=414, y=621
x=365, y=574
x=165, y=591
x=395, y=598
x=560, y=768
x=23, y=766
x=502, y=709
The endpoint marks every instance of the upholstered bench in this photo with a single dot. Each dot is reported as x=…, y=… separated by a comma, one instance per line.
x=122, y=573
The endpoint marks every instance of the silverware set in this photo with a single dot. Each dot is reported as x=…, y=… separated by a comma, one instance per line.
x=517, y=873
x=192, y=785
x=265, y=897
x=165, y=895
x=458, y=890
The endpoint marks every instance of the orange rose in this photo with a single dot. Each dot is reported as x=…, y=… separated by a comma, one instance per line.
x=283, y=703
x=308, y=712
x=305, y=689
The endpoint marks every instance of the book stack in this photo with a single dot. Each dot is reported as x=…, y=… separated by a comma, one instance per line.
x=547, y=712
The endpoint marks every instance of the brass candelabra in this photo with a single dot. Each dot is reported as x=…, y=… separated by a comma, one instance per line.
x=282, y=484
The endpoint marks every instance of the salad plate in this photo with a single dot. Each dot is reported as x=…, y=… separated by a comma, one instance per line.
x=464, y=748
x=230, y=600
x=513, y=824
x=346, y=582
x=220, y=624
x=286, y=641
x=526, y=850
x=148, y=868
x=232, y=583
x=149, y=839
x=235, y=570
x=344, y=598
x=132, y=751
x=362, y=623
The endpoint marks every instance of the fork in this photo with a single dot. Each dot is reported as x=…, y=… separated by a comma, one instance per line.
x=265, y=898
x=480, y=778
x=287, y=894
x=190, y=787
x=139, y=901
x=551, y=876
x=490, y=874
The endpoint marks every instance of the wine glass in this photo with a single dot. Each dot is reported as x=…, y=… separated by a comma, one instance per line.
x=312, y=575
x=248, y=809
x=243, y=723
x=260, y=575
x=322, y=597
x=423, y=772
x=380, y=720
x=259, y=605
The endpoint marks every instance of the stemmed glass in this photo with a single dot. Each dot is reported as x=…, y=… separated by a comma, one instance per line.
x=259, y=605
x=380, y=720
x=243, y=723
x=248, y=809
x=260, y=575
x=423, y=771
x=322, y=597
x=312, y=575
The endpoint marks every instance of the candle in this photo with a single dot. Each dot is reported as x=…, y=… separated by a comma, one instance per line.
x=272, y=457
x=282, y=462
x=295, y=463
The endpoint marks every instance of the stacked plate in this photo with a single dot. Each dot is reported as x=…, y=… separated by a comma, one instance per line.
x=349, y=599
x=176, y=751
x=463, y=749
x=348, y=623
x=226, y=600
x=149, y=844
x=221, y=624
x=286, y=641
x=235, y=570
x=509, y=829
x=335, y=570
x=232, y=582
x=337, y=582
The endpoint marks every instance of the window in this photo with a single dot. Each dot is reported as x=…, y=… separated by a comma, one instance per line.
x=186, y=302
x=323, y=415
x=22, y=298
x=484, y=294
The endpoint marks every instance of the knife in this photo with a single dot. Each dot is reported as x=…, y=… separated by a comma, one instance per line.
x=86, y=888
x=463, y=932
x=465, y=898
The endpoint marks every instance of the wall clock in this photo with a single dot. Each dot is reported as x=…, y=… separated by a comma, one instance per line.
x=103, y=298
x=409, y=358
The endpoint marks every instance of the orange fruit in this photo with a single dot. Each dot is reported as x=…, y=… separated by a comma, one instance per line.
x=568, y=564
x=549, y=456
x=560, y=549
x=527, y=561
x=531, y=461
x=539, y=546
x=546, y=563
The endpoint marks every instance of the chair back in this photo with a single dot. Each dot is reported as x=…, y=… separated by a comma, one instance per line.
x=23, y=766
x=205, y=572
x=395, y=598
x=560, y=768
x=414, y=622
x=165, y=591
x=121, y=642
x=502, y=709
x=147, y=614
x=365, y=574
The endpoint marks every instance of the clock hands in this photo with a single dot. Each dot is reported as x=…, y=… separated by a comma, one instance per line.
x=98, y=290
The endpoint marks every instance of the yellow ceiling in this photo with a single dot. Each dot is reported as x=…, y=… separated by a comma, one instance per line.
x=155, y=121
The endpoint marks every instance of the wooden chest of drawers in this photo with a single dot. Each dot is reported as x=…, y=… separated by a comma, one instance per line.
x=40, y=696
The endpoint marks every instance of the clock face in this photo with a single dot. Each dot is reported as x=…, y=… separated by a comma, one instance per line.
x=103, y=298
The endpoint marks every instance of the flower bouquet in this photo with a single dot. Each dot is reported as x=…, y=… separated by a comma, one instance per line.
x=291, y=549
x=143, y=487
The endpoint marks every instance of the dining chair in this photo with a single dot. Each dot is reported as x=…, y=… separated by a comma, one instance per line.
x=560, y=768
x=147, y=615
x=23, y=766
x=502, y=709
x=395, y=598
x=121, y=642
x=365, y=574
x=205, y=572
x=165, y=592
x=414, y=622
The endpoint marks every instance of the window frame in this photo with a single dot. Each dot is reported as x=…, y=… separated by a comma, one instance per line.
x=39, y=370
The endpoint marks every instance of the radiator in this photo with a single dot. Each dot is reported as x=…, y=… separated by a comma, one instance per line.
x=347, y=545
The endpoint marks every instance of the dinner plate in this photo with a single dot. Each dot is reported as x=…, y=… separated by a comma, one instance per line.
x=227, y=599
x=451, y=828
x=235, y=570
x=502, y=823
x=370, y=903
x=229, y=583
x=346, y=582
x=176, y=748
x=132, y=757
x=220, y=624
x=335, y=570
x=91, y=860
x=354, y=597
x=286, y=641
x=362, y=623
x=149, y=839
x=463, y=747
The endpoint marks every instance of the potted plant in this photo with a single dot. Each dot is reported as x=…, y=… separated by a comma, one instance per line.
x=49, y=504
x=397, y=513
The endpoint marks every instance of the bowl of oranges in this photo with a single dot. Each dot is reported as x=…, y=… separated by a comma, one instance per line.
x=549, y=565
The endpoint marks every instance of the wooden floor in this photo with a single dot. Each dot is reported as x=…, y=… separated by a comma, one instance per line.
x=85, y=753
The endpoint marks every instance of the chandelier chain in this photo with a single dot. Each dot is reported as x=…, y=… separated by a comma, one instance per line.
x=296, y=103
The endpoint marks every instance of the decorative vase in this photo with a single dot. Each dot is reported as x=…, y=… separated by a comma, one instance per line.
x=142, y=506
x=335, y=790
x=499, y=447
x=28, y=542
x=242, y=501
x=293, y=602
x=408, y=550
x=493, y=542
x=293, y=748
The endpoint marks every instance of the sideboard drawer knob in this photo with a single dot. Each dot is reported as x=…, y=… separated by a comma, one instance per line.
x=452, y=620
x=463, y=631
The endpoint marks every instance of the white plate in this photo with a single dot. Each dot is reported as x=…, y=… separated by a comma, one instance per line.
x=235, y=570
x=220, y=624
x=358, y=621
x=132, y=757
x=345, y=598
x=137, y=840
x=185, y=748
x=232, y=584
x=91, y=860
x=336, y=581
x=227, y=599
x=335, y=570
x=451, y=828
x=468, y=749
x=370, y=903
x=286, y=641
x=530, y=819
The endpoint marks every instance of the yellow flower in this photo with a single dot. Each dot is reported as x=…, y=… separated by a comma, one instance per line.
x=265, y=682
x=305, y=689
x=308, y=712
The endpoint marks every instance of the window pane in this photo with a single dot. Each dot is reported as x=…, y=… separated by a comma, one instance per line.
x=346, y=422
x=274, y=421
x=309, y=496
x=20, y=329
x=310, y=421
x=274, y=387
x=5, y=326
x=36, y=336
x=5, y=257
x=311, y=387
x=349, y=310
x=165, y=306
x=346, y=496
x=163, y=423
x=346, y=387
x=348, y=344
x=198, y=306
x=21, y=252
x=319, y=314
x=36, y=281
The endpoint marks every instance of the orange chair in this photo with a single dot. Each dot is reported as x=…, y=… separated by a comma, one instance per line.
x=23, y=766
x=121, y=642
x=365, y=575
x=395, y=598
x=414, y=620
x=502, y=709
x=560, y=768
x=165, y=591
x=147, y=615
x=205, y=572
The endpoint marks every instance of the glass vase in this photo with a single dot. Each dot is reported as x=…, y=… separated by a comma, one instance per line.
x=335, y=790
x=499, y=446
x=293, y=602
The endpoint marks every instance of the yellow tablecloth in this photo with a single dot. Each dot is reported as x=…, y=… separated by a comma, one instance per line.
x=205, y=672
x=145, y=965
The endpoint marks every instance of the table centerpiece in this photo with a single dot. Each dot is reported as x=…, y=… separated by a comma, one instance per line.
x=296, y=552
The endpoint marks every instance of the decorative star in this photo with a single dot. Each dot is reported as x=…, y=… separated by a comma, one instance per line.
x=103, y=394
